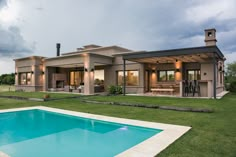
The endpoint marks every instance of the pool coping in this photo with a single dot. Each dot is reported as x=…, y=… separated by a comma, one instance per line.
x=148, y=148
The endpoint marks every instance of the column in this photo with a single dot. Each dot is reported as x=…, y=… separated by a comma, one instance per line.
x=124, y=78
x=88, y=75
x=214, y=77
x=45, y=78
x=16, y=76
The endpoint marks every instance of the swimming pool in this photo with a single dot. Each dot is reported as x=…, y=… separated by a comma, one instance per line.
x=41, y=132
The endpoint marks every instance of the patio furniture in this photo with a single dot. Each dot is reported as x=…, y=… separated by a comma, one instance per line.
x=186, y=87
x=156, y=90
x=196, y=88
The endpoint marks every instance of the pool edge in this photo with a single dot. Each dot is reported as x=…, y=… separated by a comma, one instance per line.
x=148, y=148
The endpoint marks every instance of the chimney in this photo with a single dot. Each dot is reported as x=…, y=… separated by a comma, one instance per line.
x=58, y=49
x=210, y=37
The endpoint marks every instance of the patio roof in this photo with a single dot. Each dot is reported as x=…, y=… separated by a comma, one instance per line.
x=195, y=54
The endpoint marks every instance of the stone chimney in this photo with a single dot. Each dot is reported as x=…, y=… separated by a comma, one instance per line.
x=210, y=37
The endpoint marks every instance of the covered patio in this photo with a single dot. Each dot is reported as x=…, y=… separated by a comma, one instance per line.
x=197, y=71
x=80, y=73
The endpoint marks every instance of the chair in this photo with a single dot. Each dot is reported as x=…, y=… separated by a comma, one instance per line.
x=196, y=88
x=186, y=87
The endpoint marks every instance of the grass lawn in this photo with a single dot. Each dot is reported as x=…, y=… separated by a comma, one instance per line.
x=212, y=134
x=37, y=94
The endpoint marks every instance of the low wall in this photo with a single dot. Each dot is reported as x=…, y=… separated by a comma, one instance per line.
x=28, y=88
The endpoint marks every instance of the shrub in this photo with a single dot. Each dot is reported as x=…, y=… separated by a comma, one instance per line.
x=118, y=90
x=115, y=89
x=232, y=87
x=112, y=89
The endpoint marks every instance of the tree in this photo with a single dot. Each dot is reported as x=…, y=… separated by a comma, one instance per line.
x=8, y=79
x=230, y=78
x=231, y=72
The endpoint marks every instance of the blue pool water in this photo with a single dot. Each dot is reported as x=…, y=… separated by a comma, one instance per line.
x=38, y=133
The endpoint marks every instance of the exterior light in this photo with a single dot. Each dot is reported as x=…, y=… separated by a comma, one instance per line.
x=42, y=72
x=92, y=69
x=85, y=69
x=153, y=71
x=220, y=69
x=15, y=73
x=32, y=72
x=176, y=60
x=177, y=70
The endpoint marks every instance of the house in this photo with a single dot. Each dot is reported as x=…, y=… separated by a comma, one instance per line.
x=93, y=68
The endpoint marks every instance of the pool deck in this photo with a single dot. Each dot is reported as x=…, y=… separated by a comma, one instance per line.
x=147, y=148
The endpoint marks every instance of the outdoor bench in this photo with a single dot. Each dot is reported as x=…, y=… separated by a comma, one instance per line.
x=156, y=90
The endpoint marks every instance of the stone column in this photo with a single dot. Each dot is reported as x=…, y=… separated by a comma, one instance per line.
x=45, y=79
x=16, y=76
x=33, y=77
x=88, y=75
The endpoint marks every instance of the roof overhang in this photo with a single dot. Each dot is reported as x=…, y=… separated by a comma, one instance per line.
x=77, y=60
x=30, y=57
x=195, y=54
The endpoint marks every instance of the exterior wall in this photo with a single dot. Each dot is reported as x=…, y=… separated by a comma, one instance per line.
x=65, y=60
x=33, y=65
x=207, y=74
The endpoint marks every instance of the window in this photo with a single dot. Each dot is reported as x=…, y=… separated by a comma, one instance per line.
x=25, y=78
x=99, y=77
x=132, y=78
x=194, y=74
x=166, y=75
x=76, y=78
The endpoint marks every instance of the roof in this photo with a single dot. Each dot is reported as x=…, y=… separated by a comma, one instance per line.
x=174, y=52
x=97, y=49
x=29, y=57
x=75, y=55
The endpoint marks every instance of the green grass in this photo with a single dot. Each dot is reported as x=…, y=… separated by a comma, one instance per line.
x=212, y=134
x=37, y=94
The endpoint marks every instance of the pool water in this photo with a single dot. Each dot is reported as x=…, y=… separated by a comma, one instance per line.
x=39, y=133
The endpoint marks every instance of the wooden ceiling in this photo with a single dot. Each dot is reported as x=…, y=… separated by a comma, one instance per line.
x=202, y=57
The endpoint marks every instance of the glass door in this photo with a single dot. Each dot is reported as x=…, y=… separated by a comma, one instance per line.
x=76, y=78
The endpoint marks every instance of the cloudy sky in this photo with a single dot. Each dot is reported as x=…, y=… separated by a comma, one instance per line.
x=32, y=27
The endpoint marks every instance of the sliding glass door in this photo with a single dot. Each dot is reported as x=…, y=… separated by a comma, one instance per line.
x=76, y=78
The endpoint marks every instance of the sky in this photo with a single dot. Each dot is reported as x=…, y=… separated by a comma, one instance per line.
x=33, y=27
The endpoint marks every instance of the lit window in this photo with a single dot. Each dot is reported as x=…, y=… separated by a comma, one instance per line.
x=99, y=77
x=132, y=78
x=166, y=75
x=25, y=78
x=194, y=74
x=76, y=78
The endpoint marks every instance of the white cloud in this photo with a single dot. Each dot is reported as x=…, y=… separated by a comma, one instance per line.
x=138, y=25
x=205, y=10
x=12, y=43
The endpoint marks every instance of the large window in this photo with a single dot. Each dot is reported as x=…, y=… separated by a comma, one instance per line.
x=76, y=78
x=25, y=78
x=132, y=78
x=99, y=77
x=166, y=75
x=194, y=74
